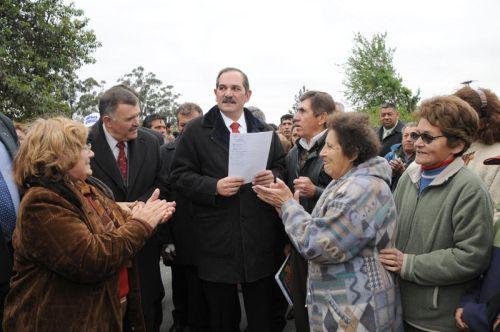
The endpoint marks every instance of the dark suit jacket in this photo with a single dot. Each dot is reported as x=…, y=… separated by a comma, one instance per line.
x=313, y=169
x=393, y=138
x=8, y=137
x=144, y=163
x=180, y=230
x=236, y=234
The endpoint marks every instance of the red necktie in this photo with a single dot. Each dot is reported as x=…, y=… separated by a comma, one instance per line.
x=235, y=127
x=122, y=160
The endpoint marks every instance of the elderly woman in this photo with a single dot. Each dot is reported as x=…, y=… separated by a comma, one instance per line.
x=74, y=246
x=445, y=221
x=355, y=217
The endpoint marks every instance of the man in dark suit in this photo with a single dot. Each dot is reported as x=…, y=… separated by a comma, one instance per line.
x=236, y=231
x=180, y=251
x=390, y=132
x=9, y=203
x=127, y=160
x=306, y=174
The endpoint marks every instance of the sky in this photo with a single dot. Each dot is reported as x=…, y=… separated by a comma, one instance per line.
x=284, y=45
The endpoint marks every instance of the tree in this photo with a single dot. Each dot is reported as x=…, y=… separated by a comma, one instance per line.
x=371, y=78
x=153, y=95
x=42, y=44
x=87, y=93
x=296, y=98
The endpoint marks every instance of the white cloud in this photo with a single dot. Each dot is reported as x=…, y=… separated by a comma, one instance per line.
x=283, y=45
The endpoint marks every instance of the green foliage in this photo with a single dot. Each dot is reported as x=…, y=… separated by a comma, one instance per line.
x=154, y=96
x=374, y=113
x=296, y=98
x=371, y=78
x=42, y=44
x=86, y=97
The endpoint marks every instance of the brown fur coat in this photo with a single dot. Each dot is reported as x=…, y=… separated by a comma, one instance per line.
x=66, y=264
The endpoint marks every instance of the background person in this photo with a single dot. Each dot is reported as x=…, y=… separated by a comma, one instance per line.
x=295, y=135
x=445, y=218
x=305, y=173
x=353, y=219
x=285, y=127
x=390, y=131
x=486, y=142
x=180, y=249
x=73, y=246
x=402, y=154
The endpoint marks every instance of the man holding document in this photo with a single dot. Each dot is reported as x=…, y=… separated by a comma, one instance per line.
x=236, y=231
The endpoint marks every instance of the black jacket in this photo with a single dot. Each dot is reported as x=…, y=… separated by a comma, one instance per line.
x=180, y=229
x=236, y=234
x=396, y=136
x=8, y=138
x=313, y=169
x=144, y=164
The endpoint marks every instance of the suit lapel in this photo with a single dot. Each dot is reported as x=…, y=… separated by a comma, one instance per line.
x=219, y=133
x=137, y=155
x=104, y=156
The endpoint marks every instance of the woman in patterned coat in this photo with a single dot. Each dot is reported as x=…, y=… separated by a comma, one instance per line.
x=355, y=218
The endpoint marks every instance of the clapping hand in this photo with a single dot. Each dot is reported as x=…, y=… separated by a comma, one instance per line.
x=276, y=194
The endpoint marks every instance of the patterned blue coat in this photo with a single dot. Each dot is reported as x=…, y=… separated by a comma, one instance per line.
x=355, y=217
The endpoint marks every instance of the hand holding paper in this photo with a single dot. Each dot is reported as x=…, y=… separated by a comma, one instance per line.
x=229, y=185
x=248, y=154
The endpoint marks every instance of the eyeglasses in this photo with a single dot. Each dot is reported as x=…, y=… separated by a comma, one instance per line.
x=426, y=138
x=87, y=147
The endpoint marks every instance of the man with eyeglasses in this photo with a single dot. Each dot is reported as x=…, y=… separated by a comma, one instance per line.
x=390, y=131
x=402, y=154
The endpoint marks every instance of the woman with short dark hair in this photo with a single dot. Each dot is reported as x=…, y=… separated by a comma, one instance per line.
x=355, y=217
x=445, y=221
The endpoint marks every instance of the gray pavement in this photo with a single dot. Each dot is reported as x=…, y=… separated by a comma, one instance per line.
x=168, y=307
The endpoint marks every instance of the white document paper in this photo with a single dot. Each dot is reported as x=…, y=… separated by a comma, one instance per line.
x=248, y=154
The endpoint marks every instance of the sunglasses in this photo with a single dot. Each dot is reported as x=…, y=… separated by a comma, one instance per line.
x=426, y=138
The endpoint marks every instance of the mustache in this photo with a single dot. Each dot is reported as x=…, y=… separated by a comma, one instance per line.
x=229, y=100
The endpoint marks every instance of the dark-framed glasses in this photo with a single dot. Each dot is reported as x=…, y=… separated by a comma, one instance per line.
x=426, y=138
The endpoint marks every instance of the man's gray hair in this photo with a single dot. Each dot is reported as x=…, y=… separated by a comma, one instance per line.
x=187, y=109
x=256, y=112
x=119, y=94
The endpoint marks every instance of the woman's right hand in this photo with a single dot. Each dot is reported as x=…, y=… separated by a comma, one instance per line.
x=155, y=211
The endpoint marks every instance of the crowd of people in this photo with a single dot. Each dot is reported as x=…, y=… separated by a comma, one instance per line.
x=385, y=229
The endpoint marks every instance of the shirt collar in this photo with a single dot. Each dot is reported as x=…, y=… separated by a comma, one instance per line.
x=241, y=121
x=308, y=147
x=390, y=130
x=110, y=139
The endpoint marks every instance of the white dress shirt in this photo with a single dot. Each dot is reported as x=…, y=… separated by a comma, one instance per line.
x=112, y=143
x=241, y=121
